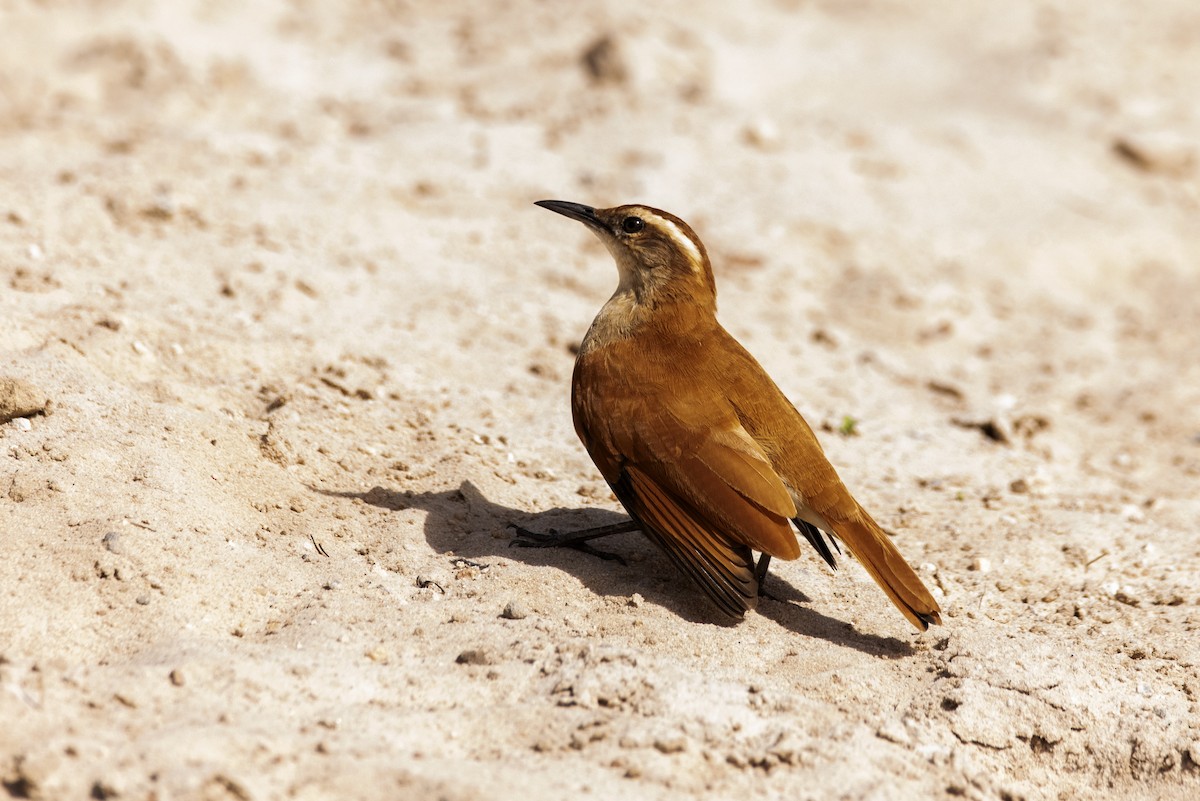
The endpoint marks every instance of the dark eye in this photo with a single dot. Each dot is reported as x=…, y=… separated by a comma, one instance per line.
x=631, y=225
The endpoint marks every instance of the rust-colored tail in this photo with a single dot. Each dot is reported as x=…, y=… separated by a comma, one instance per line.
x=874, y=549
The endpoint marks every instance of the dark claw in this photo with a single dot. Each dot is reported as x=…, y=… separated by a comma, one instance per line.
x=532, y=539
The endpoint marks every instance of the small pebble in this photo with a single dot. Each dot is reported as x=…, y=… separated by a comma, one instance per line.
x=1019, y=486
x=636, y=600
x=671, y=745
x=112, y=542
x=1165, y=152
x=605, y=62
x=1127, y=596
x=762, y=133
x=176, y=677
x=143, y=600
x=515, y=610
x=23, y=424
x=982, y=564
x=476, y=656
x=19, y=398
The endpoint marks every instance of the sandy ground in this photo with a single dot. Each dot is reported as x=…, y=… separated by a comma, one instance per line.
x=292, y=347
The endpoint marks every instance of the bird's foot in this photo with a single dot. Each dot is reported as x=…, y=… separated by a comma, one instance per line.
x=553, y=539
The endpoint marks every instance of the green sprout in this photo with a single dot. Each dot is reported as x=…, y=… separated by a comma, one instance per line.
x=849, y=426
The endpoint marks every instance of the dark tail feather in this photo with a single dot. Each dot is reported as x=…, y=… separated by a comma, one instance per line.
x=813, y=535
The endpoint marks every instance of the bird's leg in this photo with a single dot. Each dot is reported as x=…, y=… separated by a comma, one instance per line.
x=760, y=574
x=573, y=539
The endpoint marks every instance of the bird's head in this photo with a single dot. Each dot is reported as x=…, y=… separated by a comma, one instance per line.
x=659, y=257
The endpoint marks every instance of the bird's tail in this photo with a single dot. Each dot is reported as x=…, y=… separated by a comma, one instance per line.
x=874, y=549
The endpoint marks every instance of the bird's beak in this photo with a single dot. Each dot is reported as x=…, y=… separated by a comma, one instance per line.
x=576, y=211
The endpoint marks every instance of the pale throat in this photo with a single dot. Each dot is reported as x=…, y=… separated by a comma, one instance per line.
x=627, y=266
x=617, y=319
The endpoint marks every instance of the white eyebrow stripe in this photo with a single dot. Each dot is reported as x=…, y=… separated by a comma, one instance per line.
x=681, y=239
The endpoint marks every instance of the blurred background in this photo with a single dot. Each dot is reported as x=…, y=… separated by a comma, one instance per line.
x=916, y=176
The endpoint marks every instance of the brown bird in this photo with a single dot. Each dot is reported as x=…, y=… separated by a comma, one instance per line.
x=705, y=452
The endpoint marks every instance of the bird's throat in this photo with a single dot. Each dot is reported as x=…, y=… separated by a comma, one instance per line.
x=618, y=319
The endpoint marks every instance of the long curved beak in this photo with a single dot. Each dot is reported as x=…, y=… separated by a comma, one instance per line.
x=576, y=211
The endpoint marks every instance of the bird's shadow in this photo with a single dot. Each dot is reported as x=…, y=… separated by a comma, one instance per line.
x=466, y=524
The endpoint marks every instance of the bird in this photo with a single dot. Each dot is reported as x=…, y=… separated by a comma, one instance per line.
x=707, y=455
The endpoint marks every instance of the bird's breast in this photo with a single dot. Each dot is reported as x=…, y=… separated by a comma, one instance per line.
x=621, y=388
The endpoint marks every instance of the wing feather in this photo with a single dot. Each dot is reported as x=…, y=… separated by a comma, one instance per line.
x=723, y=474
x=724, y=569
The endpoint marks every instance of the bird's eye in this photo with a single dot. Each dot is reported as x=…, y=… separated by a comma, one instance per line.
x=631, y=225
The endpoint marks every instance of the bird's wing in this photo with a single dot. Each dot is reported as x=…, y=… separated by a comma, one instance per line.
x=702, y=456
x=710, y=477
x=706, y=460
x=699, y=485
x=724, y=569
